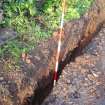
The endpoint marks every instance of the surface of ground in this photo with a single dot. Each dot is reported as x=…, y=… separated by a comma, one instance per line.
x=83, y=81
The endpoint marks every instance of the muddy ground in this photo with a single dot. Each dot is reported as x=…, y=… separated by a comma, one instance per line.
x=83, y=80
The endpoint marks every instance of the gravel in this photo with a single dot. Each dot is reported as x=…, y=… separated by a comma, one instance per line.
x=83, y=81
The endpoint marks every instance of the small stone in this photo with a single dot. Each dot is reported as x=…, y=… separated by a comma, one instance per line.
x=75, y=95
x=83, y=71
x=1, y=78
x=91, y=77
x=85, y=84
x=94, y=74
x=68, y=82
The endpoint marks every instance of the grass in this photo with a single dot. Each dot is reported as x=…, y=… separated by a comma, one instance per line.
x=34, y=24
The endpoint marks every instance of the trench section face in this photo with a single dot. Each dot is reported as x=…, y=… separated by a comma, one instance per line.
x=79, y=39
x=42, y=93
x=83, y=81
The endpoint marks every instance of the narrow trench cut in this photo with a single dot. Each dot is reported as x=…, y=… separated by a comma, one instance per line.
x=41, y=93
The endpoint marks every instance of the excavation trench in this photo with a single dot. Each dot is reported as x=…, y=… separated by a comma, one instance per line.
x=83, y=80
x=34, y=81
x=41, y=93
x=78, y=34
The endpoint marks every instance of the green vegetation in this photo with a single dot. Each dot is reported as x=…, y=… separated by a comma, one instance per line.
x=34, y=24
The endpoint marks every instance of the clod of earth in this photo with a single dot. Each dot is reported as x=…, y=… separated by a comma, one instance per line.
x=29, y=84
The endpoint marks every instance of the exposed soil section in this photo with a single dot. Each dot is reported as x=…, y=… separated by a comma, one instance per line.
x=83, y=81
x=31, y=81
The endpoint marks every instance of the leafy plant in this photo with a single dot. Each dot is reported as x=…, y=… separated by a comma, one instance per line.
x=17, y=12
x=74, y=9
x=34, y=25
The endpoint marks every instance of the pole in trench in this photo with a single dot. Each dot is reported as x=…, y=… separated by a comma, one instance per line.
x=59, y=42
